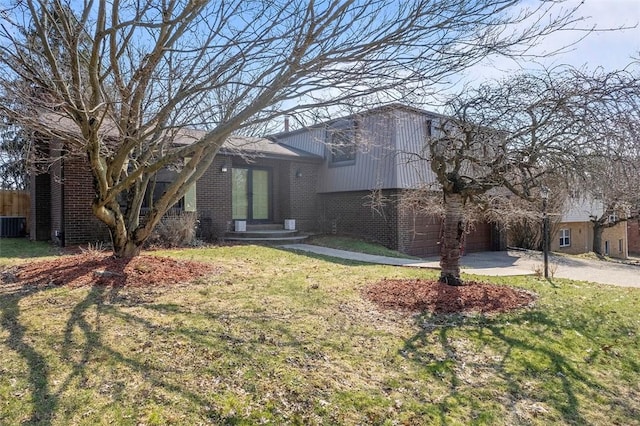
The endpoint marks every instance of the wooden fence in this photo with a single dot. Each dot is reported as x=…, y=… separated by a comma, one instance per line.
x=15, y=203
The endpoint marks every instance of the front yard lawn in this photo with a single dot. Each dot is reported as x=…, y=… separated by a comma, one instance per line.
x=273, y=337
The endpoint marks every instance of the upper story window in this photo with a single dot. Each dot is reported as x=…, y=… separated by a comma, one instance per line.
x=341, y=140
x=429, y=128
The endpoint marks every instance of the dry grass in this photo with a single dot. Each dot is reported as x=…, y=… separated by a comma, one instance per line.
x=281, y=338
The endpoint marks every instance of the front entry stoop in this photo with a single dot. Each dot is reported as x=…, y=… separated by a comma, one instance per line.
x=268, y=233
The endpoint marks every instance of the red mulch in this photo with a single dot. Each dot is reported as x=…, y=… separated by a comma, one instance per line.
x=435, y=297
x=89, y=269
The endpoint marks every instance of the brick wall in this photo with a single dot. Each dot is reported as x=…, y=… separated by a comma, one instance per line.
x=213, y=199
x=293, y=194
x=633, y=233
x=480, y=238
x=302, y=202
x=56, y=175
x=419, y=234
x=80, y=225
x=40, y=190
x=347, y=213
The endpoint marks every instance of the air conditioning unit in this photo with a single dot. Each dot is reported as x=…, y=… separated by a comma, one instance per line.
x=12, y=227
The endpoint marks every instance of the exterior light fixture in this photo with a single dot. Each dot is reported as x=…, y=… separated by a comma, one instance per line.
x=298, y=173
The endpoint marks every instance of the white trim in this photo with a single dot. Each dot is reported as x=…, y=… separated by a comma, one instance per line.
x=565, y=237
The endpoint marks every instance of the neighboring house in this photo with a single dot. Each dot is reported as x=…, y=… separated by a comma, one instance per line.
x=633, y=234
x=574, y=233
x=322, y=176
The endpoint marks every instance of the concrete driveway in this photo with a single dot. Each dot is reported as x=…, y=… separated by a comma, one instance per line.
x=599, y=271
x=506, y=263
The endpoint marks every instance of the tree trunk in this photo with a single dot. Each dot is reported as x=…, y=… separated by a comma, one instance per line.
x=597, y=238
x=451, y=240
x=124, y=244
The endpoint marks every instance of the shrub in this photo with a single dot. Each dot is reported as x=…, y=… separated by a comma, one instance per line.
x=175, y=230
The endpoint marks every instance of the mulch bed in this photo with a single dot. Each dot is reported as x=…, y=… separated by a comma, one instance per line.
x=88, y=269
x=435, y=297
x=96, y=268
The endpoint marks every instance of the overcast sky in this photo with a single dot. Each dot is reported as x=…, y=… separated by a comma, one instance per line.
x=608, y=49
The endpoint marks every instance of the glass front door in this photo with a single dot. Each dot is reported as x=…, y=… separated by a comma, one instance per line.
x=251, y=194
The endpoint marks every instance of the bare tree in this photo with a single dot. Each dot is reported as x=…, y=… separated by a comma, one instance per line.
x=120, y=81
x=611, y=177
x=511, y=138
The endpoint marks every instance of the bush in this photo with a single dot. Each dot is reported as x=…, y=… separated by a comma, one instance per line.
x=175, y=230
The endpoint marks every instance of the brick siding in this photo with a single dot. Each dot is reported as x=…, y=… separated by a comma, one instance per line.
x=213, y=199
x=80, y=225
x=347, y=213
x=56, y=176
x=302, y=202
x=293, y=194
x=419, y=234
x=40, y=207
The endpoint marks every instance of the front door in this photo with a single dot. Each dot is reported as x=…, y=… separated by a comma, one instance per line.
x=251, y=194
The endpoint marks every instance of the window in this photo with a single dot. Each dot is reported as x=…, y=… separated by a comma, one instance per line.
x=342, y=144
x=621, y=246
x=565, y=237
x=158, y=189
x=606, y=248
x=429, y=128
x=613, y=217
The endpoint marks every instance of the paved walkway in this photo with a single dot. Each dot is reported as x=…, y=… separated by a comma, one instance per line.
x=505, y=263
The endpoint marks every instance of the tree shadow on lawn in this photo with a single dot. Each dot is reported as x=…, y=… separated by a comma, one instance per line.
x=44, y=401
x=103, y=303
x=11, y=294
x=522, y=353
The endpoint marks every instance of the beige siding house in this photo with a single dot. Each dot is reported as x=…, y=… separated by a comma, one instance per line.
x=574, y=233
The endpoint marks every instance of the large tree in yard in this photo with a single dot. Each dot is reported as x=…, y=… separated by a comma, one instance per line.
x=611, y=176
x=512, y=138
x=119, y=81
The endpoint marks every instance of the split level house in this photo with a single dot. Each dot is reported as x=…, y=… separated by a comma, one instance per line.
x=328, y=178
x=573, y=234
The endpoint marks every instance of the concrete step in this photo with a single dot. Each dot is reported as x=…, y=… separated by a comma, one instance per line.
x=264, y=227
x=267, y=240
x=261, y=233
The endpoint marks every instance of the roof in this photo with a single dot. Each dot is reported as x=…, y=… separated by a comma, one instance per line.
x=372, y=111
x=263, y=147
x=61, y=125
